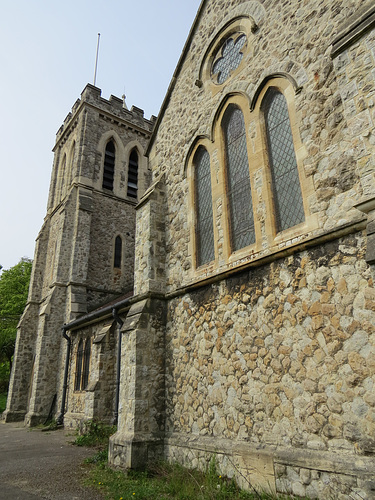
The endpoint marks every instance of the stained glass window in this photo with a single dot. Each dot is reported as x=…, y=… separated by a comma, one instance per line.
x=282, y=158
x=109, y=166
x=242, y=231
x=229, y=57
x=203, y=202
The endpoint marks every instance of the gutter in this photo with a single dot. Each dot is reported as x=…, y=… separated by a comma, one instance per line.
x=60, y=418
x=118, y=363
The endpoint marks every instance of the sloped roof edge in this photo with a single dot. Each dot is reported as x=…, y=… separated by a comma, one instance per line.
x=175, y=75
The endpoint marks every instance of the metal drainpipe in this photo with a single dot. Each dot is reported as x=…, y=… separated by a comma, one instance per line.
x=60, y=418
x=118, y=365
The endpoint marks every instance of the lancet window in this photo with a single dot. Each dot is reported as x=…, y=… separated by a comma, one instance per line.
x=287, y=192
x=203, y=201
x=238, y=180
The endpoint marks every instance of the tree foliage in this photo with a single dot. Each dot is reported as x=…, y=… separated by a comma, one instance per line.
x=14, y=288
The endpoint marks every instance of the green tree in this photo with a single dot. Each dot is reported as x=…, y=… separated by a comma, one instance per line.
x=14, y=288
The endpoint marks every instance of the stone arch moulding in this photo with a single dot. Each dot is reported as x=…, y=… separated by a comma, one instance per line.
x=106, y=137
x=198, y=140
x=247, y=17
x=218, y=111
x=297, y=80
x=134, y=145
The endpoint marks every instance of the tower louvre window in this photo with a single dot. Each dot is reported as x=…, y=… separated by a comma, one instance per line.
x=239, y=196
x=282, y=158
x=109, y=166
x=203, y=206
x=118, y=253
x=133, y=175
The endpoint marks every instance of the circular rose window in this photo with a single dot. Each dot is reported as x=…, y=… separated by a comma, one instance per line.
x=228, y=58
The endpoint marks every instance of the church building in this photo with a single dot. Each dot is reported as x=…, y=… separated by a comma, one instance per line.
x=205, y=279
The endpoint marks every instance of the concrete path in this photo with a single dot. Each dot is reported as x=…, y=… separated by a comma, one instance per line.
x=38, y=465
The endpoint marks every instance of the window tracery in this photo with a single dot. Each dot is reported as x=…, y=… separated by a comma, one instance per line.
x=228, y=58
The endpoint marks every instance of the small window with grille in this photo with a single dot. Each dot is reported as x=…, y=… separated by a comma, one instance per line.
x=86, y=365
x=286, y=186
x=79, y=359
x=109, y=166
x=133, y=175
x=82, y=365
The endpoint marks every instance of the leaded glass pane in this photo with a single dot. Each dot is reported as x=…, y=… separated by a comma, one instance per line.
x=203, y=200
x=286, y=185
x=238, y=180
x=229, y=57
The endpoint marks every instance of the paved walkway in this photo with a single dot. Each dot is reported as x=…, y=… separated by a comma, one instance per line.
x=37, y=465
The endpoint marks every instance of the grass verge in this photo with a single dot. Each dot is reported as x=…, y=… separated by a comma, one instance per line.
x=162, y=481
x=167, y=482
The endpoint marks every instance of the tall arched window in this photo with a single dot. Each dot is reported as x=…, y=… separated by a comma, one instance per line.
x=133, y=175
x=286, y=185
x=109, y=166
x=79, y=359
x=240, y=203
x=86, y=365
x=71, y=163
x=118, y=252
x=204, y=229
x=61, y=179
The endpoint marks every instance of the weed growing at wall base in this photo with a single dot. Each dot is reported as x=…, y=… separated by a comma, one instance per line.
x=94, y=434
x=165, y=481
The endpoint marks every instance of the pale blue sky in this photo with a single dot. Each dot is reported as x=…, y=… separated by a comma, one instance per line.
x=47, y=57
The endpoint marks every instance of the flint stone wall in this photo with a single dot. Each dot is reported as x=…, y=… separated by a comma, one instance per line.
x=281, y=356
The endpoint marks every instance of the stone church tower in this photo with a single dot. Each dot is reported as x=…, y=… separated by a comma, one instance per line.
x=84, y=255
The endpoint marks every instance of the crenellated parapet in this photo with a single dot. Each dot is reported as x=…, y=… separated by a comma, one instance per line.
x=113, y=109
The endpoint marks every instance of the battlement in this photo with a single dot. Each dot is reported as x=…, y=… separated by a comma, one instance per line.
x=114, y=106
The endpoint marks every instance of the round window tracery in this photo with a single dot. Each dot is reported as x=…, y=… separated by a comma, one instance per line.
x=228, y=57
